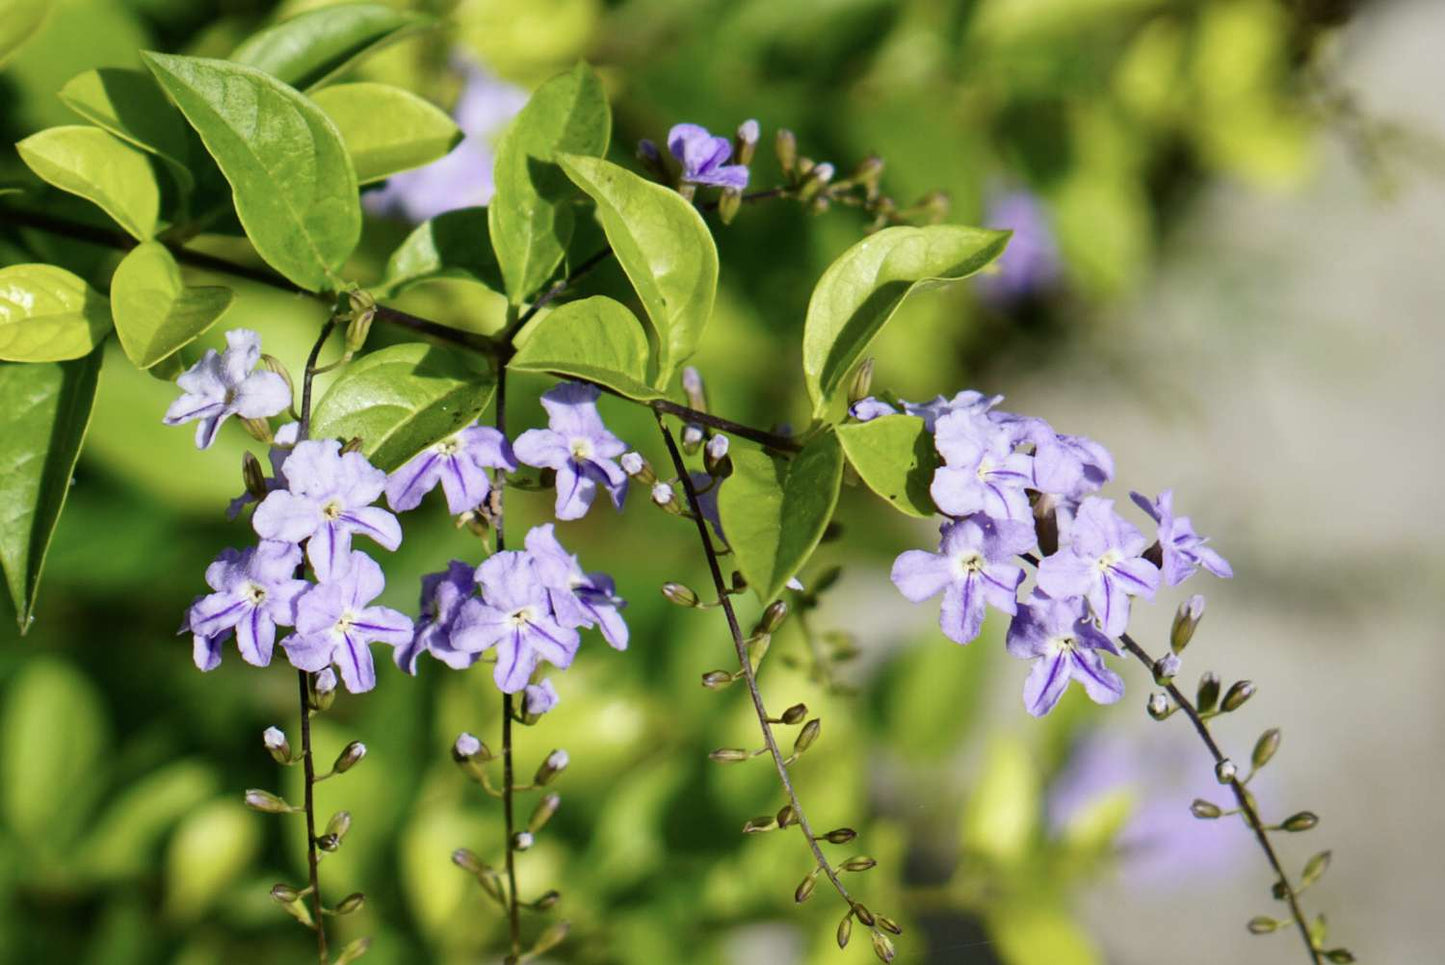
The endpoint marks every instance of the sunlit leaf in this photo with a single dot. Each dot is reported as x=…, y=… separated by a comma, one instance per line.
x=131, y=105
x=155, y=312
x=456, y=244
x=100, y=168
x=19, y=20
x=127, y=832
x=894, y=456
x=209, y=851
x=1002, y=815
x=1034, y=932
x=386, y=129
x=596, y=339
x=48, y=314
x=314, y=47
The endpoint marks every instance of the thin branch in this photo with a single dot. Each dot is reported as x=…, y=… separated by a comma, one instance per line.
x=514, y=921
x=312, y=857
x=741, y=647
x=1242, y=796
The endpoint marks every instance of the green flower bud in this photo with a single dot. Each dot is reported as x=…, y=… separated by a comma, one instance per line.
x=860, y=863
x=845, y=930
x=1204, y=810
x=1262, y=925
x=679, y=594
x=1186, y=620
x=729, y=755
x=467, y=860
x=1265, y=748
x=1303, y=821
x=862, y=382
x=807, y=735
x=353, y=951
x=883, y=947
x=1315, y=869
x=1208, y=694
x=543, y=812
x=349, y=757
x=717, y=679
x=267, y=803
x=787, y=816
x=794, y=714
x=1225, y=772
x=804, y=891
x=284, y=893
x=1237, y=694
x=839, y=836
x=787, y=148
x=760, y=824
x=350, y=903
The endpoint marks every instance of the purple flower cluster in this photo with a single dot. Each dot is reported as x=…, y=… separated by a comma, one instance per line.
x=1011, y=487
x=704, y=157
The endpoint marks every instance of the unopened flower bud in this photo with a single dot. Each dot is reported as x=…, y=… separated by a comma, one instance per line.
x=1265, y=747
x=1186, y=619
x=275, y=740
x=864, y=915
x=467, y=860
x=663, y=495
x=717, y=679
x=266, y=802
x=807, y=735
x=934, y=206
x=889, y=925
x=547, y=900
x=258, y=429
x=466, y=745
x=679, y=594
x=550, y=939
x=353, y=950
x=729, y=203
x=1303, y=821
x=363, y=312
x=883, y=947
x=555, y=764
x=339, y=824
x=1158, y=706
x=845, y=930
x=692, y=436
x=253, y=475
x=354, y=444
x=787, y=816
x=839, y=836
x=637, y=467
x=1225, y=772
x=729, y=755
x=323, y=689
x=1165, y=668
x=787, y=148
x=1339, y=956
x=1204, y=810
x=284, y=893
x=1262, y=925
x=760, y=824
x=715, y=455
x=862, y=383
x=860, y=863
x=804, y=891
x=350, y=903
x=868, y=174
x=794, y=714
x=543, y=812
x=747, y=140
x=349, y=757
x=522, y=840
x=823, y=173
x=328, y=842
x=1237, y=694
x=1207, y=696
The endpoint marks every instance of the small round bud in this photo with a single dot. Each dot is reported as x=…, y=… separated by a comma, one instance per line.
x=349, y=757
x=662, y=493
x=323, y=689
x=467, y=860
x=1303, y=821
x=717, y=679
x=350, y=903
x=692, y=382
x=1237, y=694
x=466, y=745
x=845, y=930
x=787, y=149
x=1225, y=772
x=1186, y=620
x=284, y=893
x=555, y=764
x=794, y=714
x=679, y=594
x=1262, y=925
x=773, y=617
x=1166, y=668
x=632, y=463
x=840, y=836
x=1265, y=748
x=266, y=802
x=1204, y=810
x=823, y=173
x=692, y=436
x=274, y=738
x=749, y=132
x=522, y=840
x=1158, y=706
x=717, y=447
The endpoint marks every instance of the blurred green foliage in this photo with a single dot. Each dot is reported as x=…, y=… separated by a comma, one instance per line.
x=122, y=839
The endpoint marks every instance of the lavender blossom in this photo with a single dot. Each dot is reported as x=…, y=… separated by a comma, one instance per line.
x=1031, y=263
x=255, y=591
x=539, y=698
x=972, y=569
x=579, y=599
x=327, y=498
x=1182, y=551
x=1101, y=563
x=704, y=157
x=222, y=384
x=514, y=616
x=442, y=596
x=460, y=463
x=336, y=623
x=969, y=400
x=1061, y=640
x=981, y=472
x=578, y=446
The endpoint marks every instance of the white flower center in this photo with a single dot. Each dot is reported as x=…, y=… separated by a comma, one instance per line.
x=345, y=621
x=447, y=447
x=581, y=448
x=332, y=508
x=1109, y=558
x=985, y=469
x=968, y=562
x=254, y=593
x=522, y=617
x=1062, y=645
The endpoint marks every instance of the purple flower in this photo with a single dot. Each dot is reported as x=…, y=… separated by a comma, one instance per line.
x=981, y=472
x=1182, y=550
x=327, y=498
x=537, y=699
x=255, y=590
x=442, y=596
x=1064, y=644
x=281, y=445
x=1068, y=466
x=578, y=446
x=222, y=384
x=336, y=624
x=515, y=617
x=579, y=599
x=972, y=568
x=969, y=400
x=1031, y=261
x=1102, y=563
x=460, y=463
x=704, y=157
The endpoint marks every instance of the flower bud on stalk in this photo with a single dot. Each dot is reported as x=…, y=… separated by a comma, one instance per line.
x=773, y=617
x=363, y=312
x=861, y=386
x=746, y=142
x=339, y=824
x=664, y=498
x=555, y=764
x=1207, y=696
x=692, y=437
x=254, y=476
x=349, y=757
x=350, y=903
x=787, y=149
x=275, y=740
x=266, y=802
x=321, y=689
x=1186, y=620
x=544, y=811
x=679, y=594
x=547, y=900
x=715, y=457
x=729, y=203
x=1238, y=693
x=638, y=468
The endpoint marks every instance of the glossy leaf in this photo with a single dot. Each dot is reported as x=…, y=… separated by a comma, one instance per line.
x=860, y=291
x=595, y=339
x=100, y=168
x=313, y=48
x=531, y=224
x=292, y=180
x=664, y=247
x=48, y=314
x=401, y=399
x=894, y=456
x=44, y=412
x=155, y=312
x=386, y=129
x=131, y=105
x=19, y=20
x=456, y=245
x=774, y=510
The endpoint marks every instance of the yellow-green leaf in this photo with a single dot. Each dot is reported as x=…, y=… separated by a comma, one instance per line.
x=48, y=314
x=314, y=47
x=19, y=20
x=595, y=339
x=131, y=105
x=456, y=244
x=894, y=456
x=100, y=168
x=156, y=313
x=386, y=129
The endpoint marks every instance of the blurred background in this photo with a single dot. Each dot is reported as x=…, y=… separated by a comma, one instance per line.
x=1230, y=217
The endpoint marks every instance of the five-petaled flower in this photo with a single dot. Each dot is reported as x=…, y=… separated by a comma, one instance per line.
x=255, y=591
x=442, y=596
x=981, y=472
x=972, y=568
x=1064, y=644
x=578, y=447
x=579, y=598
x=460, y=463
x=336, y=623
x=704, y=157
x=1181, y=550
x=222, y=384
x=514, y=618
x=1101, y=563
x=327, y=498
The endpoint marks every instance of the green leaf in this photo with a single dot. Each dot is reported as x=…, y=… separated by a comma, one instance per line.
x=664, y=247
x=155, y=312
x=19, y=20
x=131, y=105
x=774, y=510
x=294, y=187
x=1031, y=932
x=125, y=836
x=595, y=339
x=894, y=456
x=387, y=129
x=313, y=48
x=402, y=399
x=100, y=168
x=48, y=314
x=456, y=244
x=44, y=412
x=860, y=291
x=531, y=224
x=1002, y=816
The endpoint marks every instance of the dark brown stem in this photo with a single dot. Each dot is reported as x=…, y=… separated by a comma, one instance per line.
x=1241, y=796
x=514, y=915
x=741, y=647
x=312, y=856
